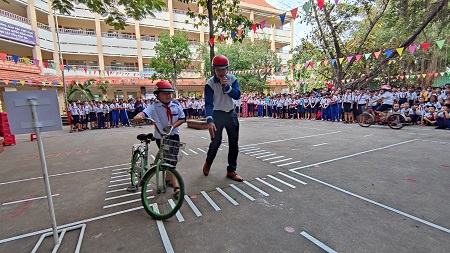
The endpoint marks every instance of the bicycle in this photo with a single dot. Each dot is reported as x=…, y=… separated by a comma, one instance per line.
x=156, y=178
x=393, y=120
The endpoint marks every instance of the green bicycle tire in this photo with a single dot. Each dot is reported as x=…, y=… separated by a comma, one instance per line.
x=145, y=201
x=134, y=172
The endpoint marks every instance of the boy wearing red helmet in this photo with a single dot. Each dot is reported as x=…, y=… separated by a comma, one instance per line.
x=220, y=90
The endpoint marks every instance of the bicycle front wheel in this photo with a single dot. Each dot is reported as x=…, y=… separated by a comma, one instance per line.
x=394, y=121
x=162, y=193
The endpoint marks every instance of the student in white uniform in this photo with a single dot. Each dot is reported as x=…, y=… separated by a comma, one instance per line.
x=166, y=113
x=75, y=114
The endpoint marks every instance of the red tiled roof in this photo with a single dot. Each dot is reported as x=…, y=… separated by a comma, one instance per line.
x=262, y=3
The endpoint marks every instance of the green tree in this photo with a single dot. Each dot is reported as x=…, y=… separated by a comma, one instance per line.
x=81, y=91
x=116, y=12
x=103, y=86
x=172, y=56
x=256, y=58
x=222, y=16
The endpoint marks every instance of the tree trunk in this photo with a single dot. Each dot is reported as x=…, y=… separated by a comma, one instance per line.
x=209, y=7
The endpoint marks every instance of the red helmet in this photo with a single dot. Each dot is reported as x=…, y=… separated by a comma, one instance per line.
x=220, y=62
x=163, y=86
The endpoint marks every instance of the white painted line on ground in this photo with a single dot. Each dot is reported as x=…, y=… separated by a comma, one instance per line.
x=122, y=203
x=257, y=189
x=114, y=185
x=62, y=174
x=120, y=172
x=295, y=138
x=317, y=242
x=202, y=150
x=263, y=153
x=38, y=232
x=254, y=152
x=192, y=206
x=180, y=217
x=119, y=180
x=193, y=151
x=249, y=150
x=163, y=233
x=352, y=155
x=293, y=178
x=270, y=185
x=276, y=157
x=282, y=160
x=210, y=201
x=320, y=144
x=376, y=203
x=242, y=192
x=126, y=195
x=126, y=175
x=121, y=168
x=245, y=148
x=286, y=164
x=26, y=200
x=118, y=190
x=271, y=154
x=281, y=181
x=228, y=197
x=367, y=135
x=204, y=138
x=184, y=152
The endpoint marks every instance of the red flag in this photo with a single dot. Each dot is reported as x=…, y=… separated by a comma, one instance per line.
x=294, y=13
x=61, y=67
x=221, y=38
x=377, y=54
x=425, y=46
x=211, y=41
x=3, y=56
x=254, y=28
x=320, y=3
x=358, y=57
x=46, y=64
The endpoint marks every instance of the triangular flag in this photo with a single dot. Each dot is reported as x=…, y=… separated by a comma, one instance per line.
x=46, y=64
x=341, y=60
x=442, y=73
x=333, y=61
x=336, y=1
x=318, y=63
x=211, y=43
x=440, y=43
x=15, y=58
x=388, y=53
x=254, y=28
x=307, y=7
x=272, y=20
x=61, y=67
x=400, y=50
x=221, y=38
x=350, y=58
x=282, y=18
x=412, y=48
x=239, y=32
x=377, y=54
x=233, y=34
x=325, y=62
x=425, y=46
x=262, y=24
x=358, y=57
x=294, y=13
x=22, y=82
x=424, y=75
x=419, y=76
x=436, y=74
x=3, y=56
x=320, y=3
x=367, y=56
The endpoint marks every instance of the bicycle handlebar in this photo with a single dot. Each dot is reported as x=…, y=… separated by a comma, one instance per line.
x=165, y=131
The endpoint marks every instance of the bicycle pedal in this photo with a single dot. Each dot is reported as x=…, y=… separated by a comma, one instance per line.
x=132, y=189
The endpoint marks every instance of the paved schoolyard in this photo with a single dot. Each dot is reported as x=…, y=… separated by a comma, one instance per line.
x=310, y=186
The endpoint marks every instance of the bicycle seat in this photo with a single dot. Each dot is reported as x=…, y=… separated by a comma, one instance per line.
x=145, y=137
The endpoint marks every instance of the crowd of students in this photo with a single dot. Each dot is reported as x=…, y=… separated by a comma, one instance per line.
x=419, y=106
x=119, y=113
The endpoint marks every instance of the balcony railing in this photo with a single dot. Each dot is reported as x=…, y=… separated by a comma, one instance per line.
x=43, y=26
x=118, y=35
x=14, y=16
x=149, y=38
x=76, y=31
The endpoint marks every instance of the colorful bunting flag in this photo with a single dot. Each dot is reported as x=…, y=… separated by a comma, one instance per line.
x=425, y=46
x=254, y=28
x=412, y=48
x=341, y=60
x=22, y=82
x=3, y=56
x=424, y=75
x=440, y=43
x=336, y=1
x=358, y=57
x=294, y=13
x=233, y=34
x=325, y=62
x=377, y=54
x=350, y=58
x=239, y=32
x=320, y=3
x=262, y=24
x=400, y=50
x=307, y=7
x=319, y=63
x=282, y=18
x=367, y=56
x=211, y=43
x=333, y=61
x=15, y=58
x=272, y=20
x=388, y=53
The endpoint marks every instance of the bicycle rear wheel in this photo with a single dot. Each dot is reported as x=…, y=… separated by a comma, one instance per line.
x=159, y=196
x=366, y=119
x=394, y=121
x=137, y=164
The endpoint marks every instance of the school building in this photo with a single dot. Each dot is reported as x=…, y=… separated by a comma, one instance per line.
x=90, y=49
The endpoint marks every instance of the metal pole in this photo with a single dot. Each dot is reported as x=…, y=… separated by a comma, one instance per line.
x=61, y=61
x=33, y=104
